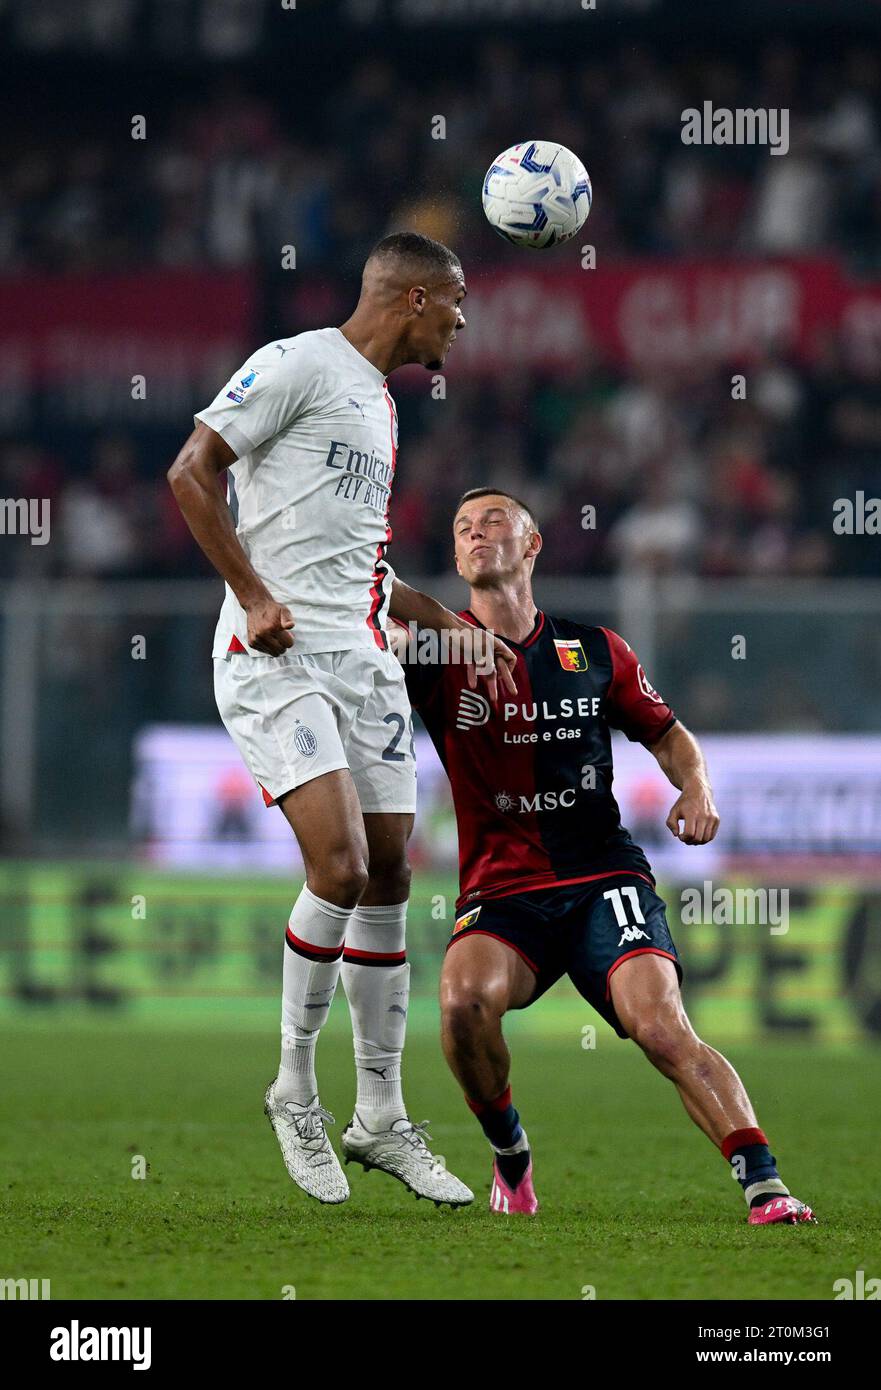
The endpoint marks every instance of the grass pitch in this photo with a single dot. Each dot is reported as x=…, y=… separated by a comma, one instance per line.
x=636, y=1204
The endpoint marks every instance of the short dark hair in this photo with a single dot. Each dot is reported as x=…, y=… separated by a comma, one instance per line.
x=413, y=246
x=474, y=492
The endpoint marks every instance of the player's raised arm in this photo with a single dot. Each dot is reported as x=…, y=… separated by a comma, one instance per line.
x=411, y=605
x=682, y=762
x=194, y=481
x=635, y=707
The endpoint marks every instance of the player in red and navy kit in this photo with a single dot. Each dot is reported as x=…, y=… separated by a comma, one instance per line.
x=551, y=883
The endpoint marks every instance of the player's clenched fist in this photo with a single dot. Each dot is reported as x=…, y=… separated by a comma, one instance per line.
x=698, y=816
x=269, y=627
x=398, y=637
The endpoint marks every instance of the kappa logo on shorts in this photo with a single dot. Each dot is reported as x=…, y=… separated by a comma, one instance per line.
x=467, y=920
x=306, y=742
x=633, y=934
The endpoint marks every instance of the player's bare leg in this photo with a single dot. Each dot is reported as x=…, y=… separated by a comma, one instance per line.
x=481, y=979
x=645, y=993
x=325, y=816
x=376, y=978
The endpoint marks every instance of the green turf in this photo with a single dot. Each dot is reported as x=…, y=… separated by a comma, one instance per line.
x=635, y=1202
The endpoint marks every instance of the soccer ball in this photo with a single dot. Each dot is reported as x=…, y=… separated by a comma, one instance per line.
x=536, y=194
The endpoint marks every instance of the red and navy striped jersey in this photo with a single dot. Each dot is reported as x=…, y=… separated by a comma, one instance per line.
x=532, y=777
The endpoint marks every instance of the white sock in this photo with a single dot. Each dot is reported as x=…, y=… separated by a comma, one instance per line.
x=520, y=1147
x=312, y=955
x=376, y=979
x=767, y=1187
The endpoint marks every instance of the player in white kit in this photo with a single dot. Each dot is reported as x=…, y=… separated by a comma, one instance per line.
x=309, y=690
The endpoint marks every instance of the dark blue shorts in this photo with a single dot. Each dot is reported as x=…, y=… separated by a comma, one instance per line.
x=584, y=931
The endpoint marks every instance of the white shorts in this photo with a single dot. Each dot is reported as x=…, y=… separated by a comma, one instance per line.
x=296, y=717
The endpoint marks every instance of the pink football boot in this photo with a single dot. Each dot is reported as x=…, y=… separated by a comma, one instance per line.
x=788, y=1209
x=508, y=1200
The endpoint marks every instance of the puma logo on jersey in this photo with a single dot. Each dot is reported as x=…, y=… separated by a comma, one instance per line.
x=283, y=350
x=633, y=934
x=358, y=407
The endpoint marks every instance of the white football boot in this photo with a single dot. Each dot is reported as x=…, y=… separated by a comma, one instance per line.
x=403, y=1152
x=305, y=1147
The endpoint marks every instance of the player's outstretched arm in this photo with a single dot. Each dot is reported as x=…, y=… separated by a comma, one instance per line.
x=194, y=481
x=682, y=762
x=412, y=606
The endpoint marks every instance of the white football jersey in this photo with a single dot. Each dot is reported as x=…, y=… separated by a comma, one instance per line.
x=315, y=433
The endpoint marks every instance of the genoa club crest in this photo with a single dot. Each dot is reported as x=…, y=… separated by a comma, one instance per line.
x=467, y=920
x=570, y=654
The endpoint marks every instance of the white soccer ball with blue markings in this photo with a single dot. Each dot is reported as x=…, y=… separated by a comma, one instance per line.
x=537, y=194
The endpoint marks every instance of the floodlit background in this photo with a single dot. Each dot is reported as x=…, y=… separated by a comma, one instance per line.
x=141, y=877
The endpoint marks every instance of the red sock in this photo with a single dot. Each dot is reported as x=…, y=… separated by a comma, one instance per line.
x=498, y=1119
x=741, y=1139
x=501, y=1102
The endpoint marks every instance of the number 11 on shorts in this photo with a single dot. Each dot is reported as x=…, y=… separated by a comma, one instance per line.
x=616, y=896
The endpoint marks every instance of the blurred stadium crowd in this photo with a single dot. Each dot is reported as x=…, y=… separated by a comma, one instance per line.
x=683, y=480
x=227, y=180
